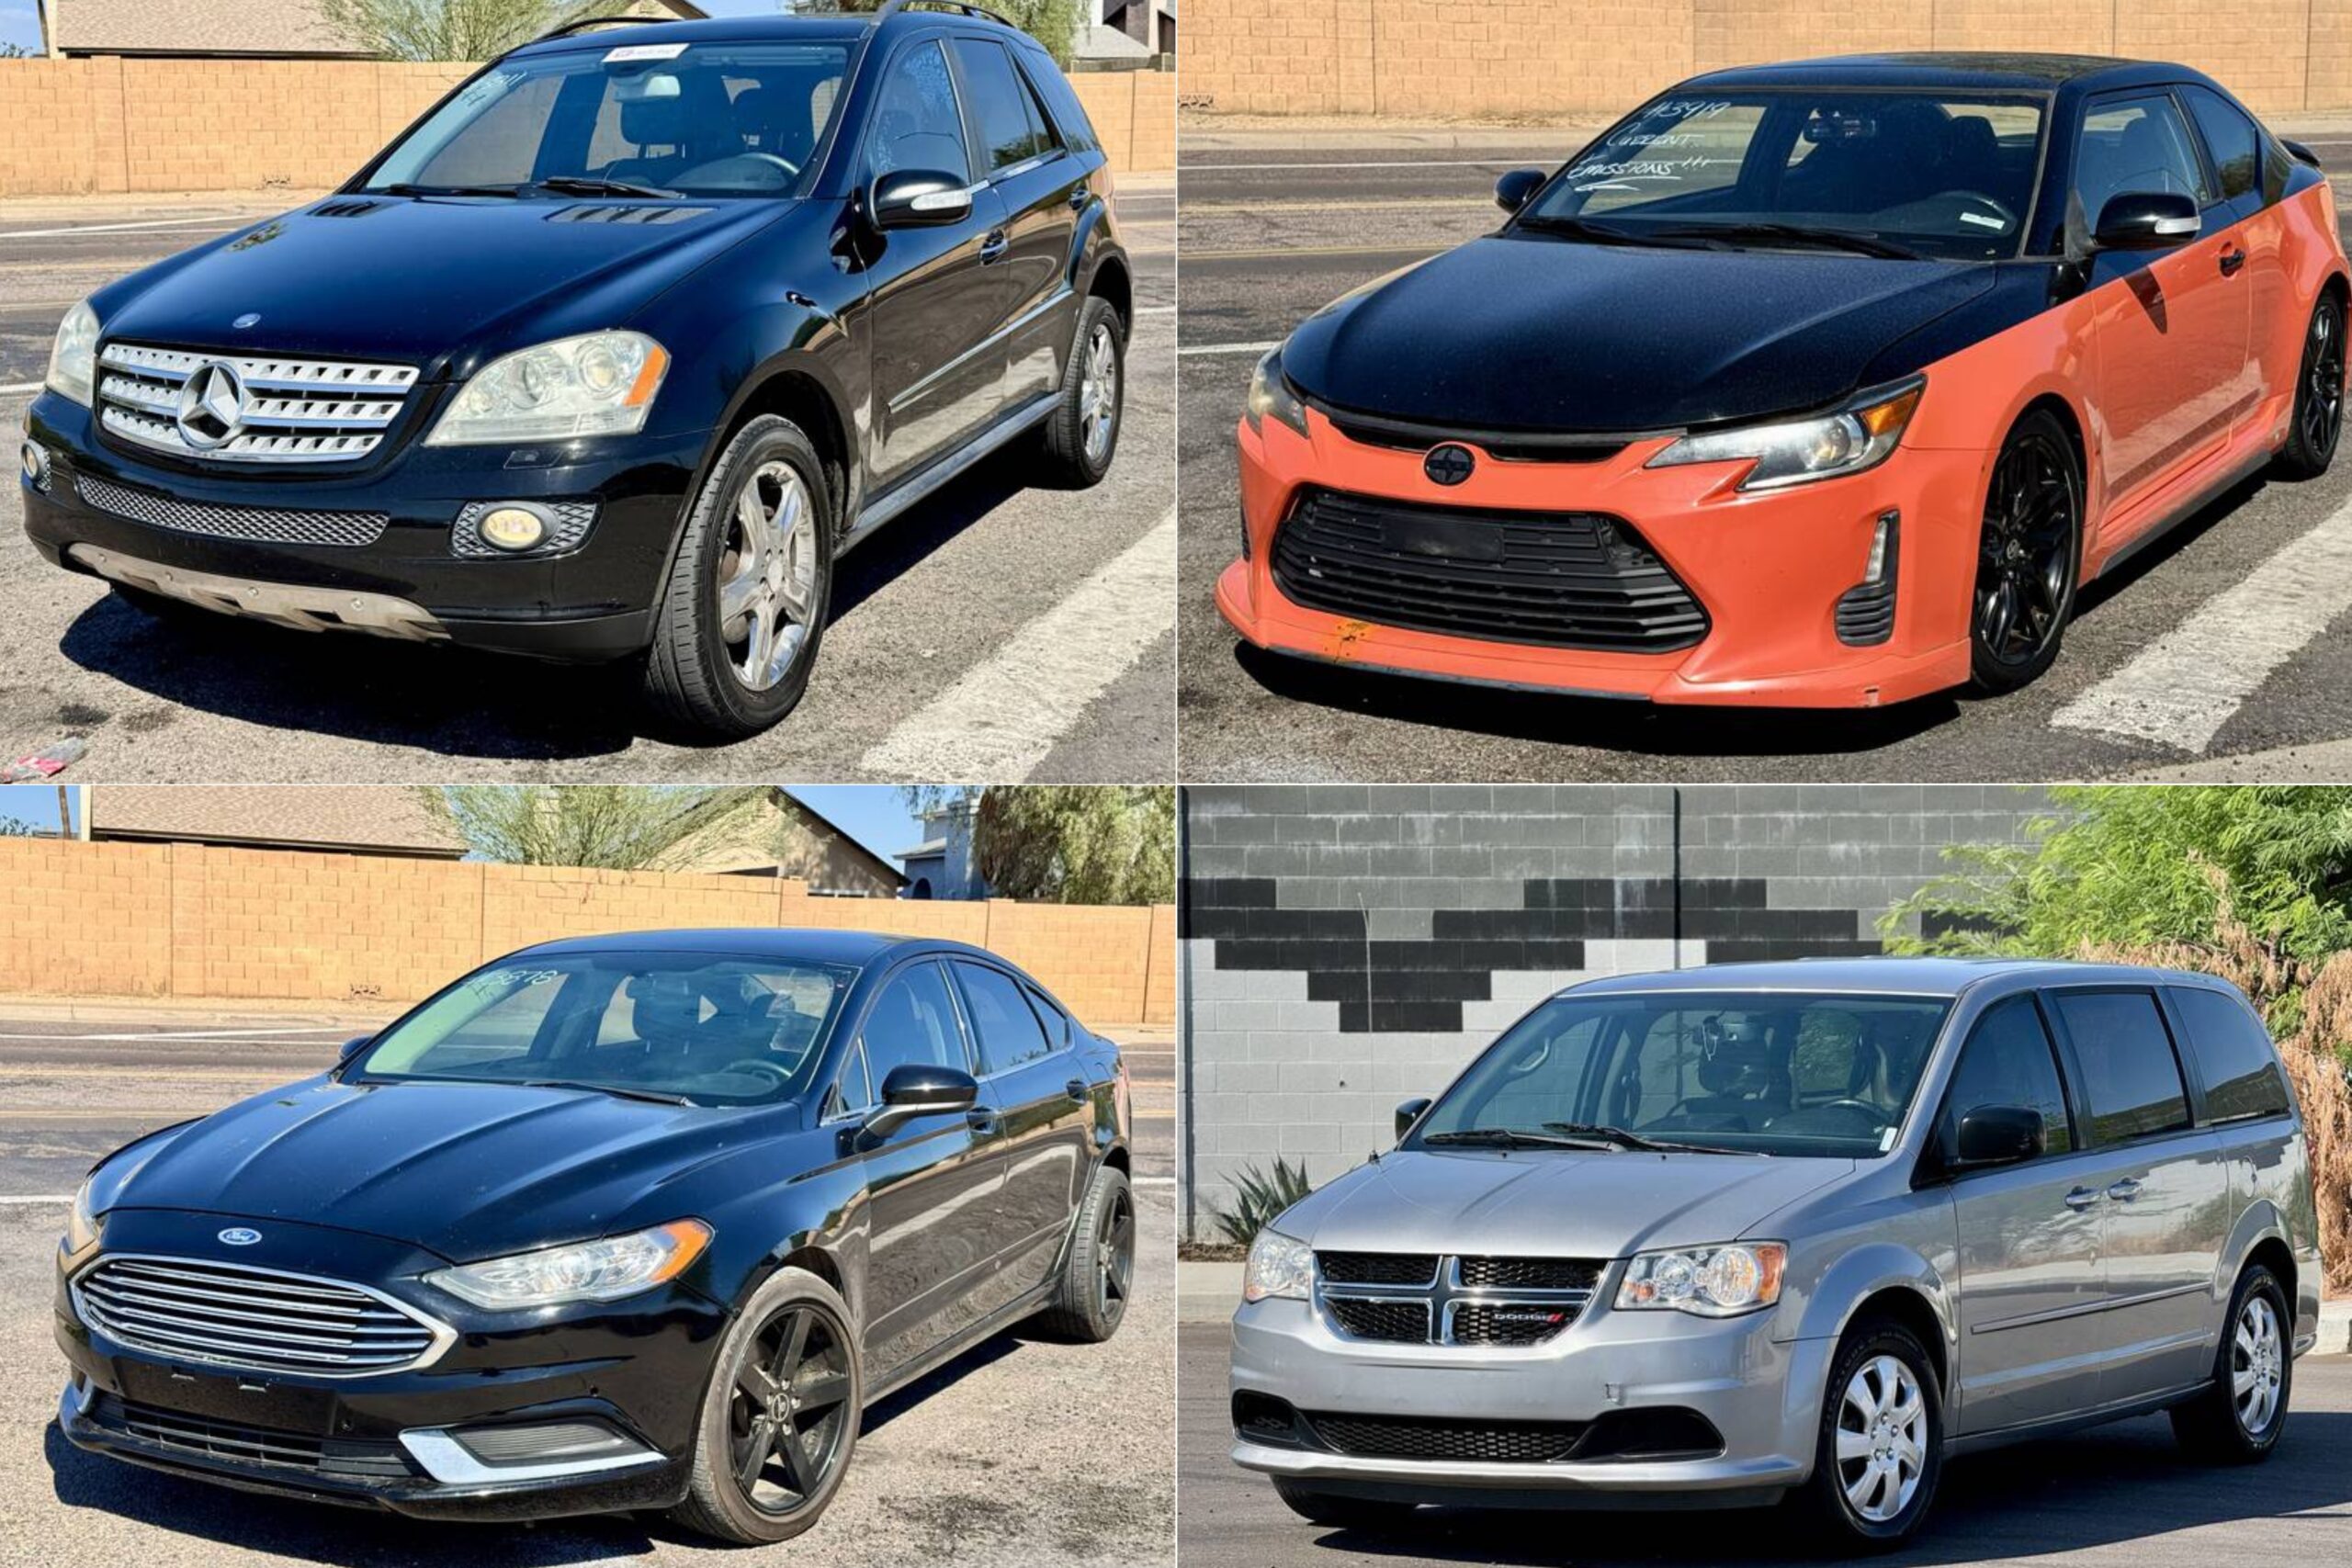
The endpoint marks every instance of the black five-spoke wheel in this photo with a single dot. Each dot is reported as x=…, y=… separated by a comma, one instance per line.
x=2318, y=395
x=2026, y=556
x=788, y=1411
x=1114, y=1255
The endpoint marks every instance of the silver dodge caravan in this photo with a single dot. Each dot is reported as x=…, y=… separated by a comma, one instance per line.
x=1797, y=1230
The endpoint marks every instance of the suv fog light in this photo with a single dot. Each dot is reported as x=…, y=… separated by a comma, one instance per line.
x=515, y=528
x=521, y=528
x=37, y=466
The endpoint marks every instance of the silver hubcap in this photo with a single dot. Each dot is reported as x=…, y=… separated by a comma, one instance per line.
x=2257, y=1365
x=767, y=576
x=1098, y=395
x=1882, y=1438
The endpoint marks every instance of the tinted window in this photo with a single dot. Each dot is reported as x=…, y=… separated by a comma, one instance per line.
x=912, y=1021
x=1009, y=1032
x=915, y=123
x=1057, y=1021
x=1003, y=112
x=2008, y=1061
x=2135, y=145
x=2234, y=1056
x=1069, y=114
x=2229, y=137
x=2129, y=1074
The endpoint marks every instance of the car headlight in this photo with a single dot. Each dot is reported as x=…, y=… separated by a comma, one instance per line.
x=602, y=1270
x=1271, y=395
x=1279, y=1266
x=81, y=1225
x=1794, y=452
x=1712, y=1281
x=74, y=357
x=602, y=384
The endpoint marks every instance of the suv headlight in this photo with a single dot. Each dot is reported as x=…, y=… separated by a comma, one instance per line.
x=1279, y=1266
x=1712, y=1281
x=74, y=357
x=602, y=384
x=1794, y=452
x=1271, y=395
x=602, y=1270
x=81, y=1225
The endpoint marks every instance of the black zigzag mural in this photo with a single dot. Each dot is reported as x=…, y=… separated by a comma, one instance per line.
x=1421, y=985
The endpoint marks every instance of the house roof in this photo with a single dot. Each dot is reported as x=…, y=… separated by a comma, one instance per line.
x=394, y=822
x=928, y=847
x=247, y=27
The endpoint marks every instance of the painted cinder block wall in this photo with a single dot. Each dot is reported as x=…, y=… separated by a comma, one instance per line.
x=1517, y=58
x=1346, y=946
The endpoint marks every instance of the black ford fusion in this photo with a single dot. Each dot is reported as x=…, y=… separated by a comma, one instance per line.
x=612, y=354
x=626, y=1222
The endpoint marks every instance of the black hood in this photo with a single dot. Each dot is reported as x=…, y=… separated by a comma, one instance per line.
x=466, y=1170
x=1529, y=332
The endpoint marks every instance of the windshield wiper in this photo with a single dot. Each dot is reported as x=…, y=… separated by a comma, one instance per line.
x=1584, y=229
x=1854, y=239
x=657, y=1096
x=406, y=190
x=584, y=185
x=1620, y=1137
x=1509, y=1138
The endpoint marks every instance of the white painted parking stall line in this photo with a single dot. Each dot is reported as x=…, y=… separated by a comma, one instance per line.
x=43, y=1199
x=187, y=1034
x=223, y=224
x=15, y=387
x=1001, y=720
x=1228, y=348
x=2185, y=686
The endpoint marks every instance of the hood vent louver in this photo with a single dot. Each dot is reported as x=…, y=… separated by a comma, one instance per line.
x=344, y=208
x=608, y=213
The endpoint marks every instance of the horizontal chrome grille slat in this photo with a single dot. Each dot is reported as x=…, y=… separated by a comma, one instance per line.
x=142, y=1318
x=339, y=1331
x=146, y=1284
x=279, y=1321
x=294, y=410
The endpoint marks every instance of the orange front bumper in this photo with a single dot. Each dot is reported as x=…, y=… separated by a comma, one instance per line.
x=1768, y=568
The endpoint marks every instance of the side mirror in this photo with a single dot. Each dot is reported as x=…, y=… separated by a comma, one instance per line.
x=914, y=1090
x=353, y=1047
x=2146, y=220
x=918, y=198
x=1996, y=1134
x=1512, y=190
x=1410, y=1113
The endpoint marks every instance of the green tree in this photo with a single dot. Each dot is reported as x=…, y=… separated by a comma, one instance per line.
x=611, y=827
x=1068, y=844
x=453, y=29
x=1052, y=23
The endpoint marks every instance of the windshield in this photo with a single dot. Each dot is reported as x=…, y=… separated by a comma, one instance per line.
x=701, y=1027
x=1770, y=1072
x=1943, y=175
x=706, y=119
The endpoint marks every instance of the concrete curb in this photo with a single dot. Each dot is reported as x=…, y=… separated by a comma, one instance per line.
x=158, y=1009
x=1399, y=139
x=2335, y=1329
x=1206, y=1292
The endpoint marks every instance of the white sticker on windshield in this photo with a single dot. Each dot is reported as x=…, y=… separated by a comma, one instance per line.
x=1981, y=221
x=645, y=51
x=1886, y=1140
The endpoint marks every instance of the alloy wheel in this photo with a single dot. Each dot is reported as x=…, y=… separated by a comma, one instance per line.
x=1098, y=394
x=788, y=1416
x=2257, y=1365
x=767, y=575
x=2323, y=380
x=1114, y=1255
x=1882, y=1438
x=2025, y=557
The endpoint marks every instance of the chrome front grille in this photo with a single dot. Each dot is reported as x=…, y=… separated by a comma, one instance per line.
x=227, y=1314
x=268, y=410
x=1419, y=1299
x=264, y=525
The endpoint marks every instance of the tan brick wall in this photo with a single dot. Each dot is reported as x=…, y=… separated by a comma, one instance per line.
x=78, y=126
x=206, y=924
x=1518, y=59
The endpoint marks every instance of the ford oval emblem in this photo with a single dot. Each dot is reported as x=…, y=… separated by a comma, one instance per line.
x=1449, y=465
x=238, y=1236
x=249, y=318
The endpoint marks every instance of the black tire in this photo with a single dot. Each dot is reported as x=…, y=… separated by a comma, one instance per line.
x=1071, y=461
x=693, y=673
x=774, y=1508
x=2029, y=557
x=2217, y=1427
x=1824, y=1500
x=2318, y=419
x=1098, y=1267
x=1342, y=1512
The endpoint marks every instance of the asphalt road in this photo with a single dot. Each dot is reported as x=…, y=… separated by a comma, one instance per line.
x=1019, y=1452
x=927, y=620
x=1270, y=234
x=2119, y=1495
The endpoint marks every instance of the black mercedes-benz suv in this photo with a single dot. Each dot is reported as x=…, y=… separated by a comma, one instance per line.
x=622, y=1222
x=613, y=353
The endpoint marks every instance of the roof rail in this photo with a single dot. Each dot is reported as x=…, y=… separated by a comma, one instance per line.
x=582, y=24
x=892, y=7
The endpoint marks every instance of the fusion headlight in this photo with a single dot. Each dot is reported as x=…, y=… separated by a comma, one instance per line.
x=74, y=357
x=1860, y=435
x=81, y=1225
x=602, y=384
x=1279, y=1266
x=1271, y=395
x=602, y=1270
x=1712, y=1281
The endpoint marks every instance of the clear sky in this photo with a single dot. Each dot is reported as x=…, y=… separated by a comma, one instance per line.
x=37, y=804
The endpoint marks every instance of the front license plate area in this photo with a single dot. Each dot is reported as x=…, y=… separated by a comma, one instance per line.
x=1443, y=538
x=254, y=1402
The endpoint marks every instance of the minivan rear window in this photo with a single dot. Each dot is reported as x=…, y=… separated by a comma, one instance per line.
x=2233, y=1054
x=2129, y=1074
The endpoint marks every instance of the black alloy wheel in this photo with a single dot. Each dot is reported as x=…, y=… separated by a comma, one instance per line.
x=1114, y=1256
x=2028, y=555
x=788, y=1412
x=2318, y=421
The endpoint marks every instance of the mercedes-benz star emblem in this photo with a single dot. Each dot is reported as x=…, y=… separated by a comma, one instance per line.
x=1449, y=465
x=212, y=404
x=238, y=1236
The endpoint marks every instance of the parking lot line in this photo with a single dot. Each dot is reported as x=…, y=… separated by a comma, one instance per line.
x=13, y=387
x=2186, y=686
x=220, y=223
x=1228, y=349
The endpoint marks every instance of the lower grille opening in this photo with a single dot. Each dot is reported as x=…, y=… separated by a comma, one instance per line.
x=1438, y=1438
x=1669, y=1432
x=1574, y=579
x=1262, y=1418
x=202, y=1436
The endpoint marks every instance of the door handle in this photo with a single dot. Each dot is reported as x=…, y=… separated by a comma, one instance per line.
x=980, y=1120
x=1076, y=1088
x=2082, y=1197
x=2125, y=1190
x=1079, y=197
x=993, y=247
x=2231, y=261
